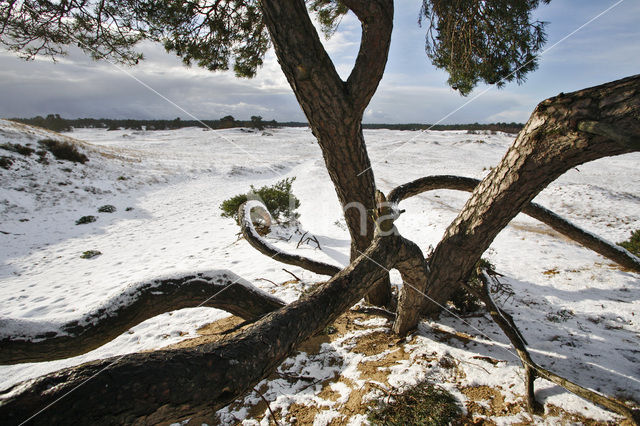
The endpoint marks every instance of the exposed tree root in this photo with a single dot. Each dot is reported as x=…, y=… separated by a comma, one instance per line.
x=260, y=244
x=138, y=303
x=533, y=370
x=605, y=248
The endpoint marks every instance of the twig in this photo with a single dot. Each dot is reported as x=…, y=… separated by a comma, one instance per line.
x=268, y=407
x=372, y=310
x=300, y=241
x=292, y=274
x=296, y=377
x=264, y=279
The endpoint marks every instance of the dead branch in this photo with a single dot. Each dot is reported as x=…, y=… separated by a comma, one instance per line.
x=533, y=370
x=292, y=274
x=301, y=238
x=138, y=303
x=260, y=244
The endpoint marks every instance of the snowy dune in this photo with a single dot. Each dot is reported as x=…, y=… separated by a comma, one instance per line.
x=580, y=314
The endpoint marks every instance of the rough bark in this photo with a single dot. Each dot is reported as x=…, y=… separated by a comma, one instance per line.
x=605, y=248
x=172, y=385
x=251, y=235
x=563, y=132
x=533, y=370
x=137, y=304
x=334, y=107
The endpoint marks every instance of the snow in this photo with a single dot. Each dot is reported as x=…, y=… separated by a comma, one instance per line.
x=578, y=312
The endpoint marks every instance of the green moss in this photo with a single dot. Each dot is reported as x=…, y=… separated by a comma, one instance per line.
x=423, y=404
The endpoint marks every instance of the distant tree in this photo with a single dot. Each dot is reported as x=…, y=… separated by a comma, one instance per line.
x=474, y=41
x=256, y=122
x=227, y=122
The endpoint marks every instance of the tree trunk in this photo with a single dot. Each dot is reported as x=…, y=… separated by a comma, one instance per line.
x=563, y=132
x=334, y=107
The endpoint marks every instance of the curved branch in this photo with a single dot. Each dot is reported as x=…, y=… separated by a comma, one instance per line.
x=175, y=384
x=251, y=235
x=508, y=326
x=605, y=248
x=28, y=341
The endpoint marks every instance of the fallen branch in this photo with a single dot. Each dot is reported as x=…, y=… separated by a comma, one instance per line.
x=30, y=341
x=260, y=244
x=533, y=370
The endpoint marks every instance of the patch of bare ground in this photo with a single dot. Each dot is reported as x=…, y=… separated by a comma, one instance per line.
x=340, y=398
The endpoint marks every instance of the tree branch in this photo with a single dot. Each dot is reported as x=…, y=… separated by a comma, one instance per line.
x=28, y=341
x=603, y=247
x=168, y=385
x=508, y=326
x=251, y=235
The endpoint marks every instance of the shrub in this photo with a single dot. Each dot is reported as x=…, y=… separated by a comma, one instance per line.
x=278, y=198
x=633, y=243
x=64, y=150
x=107, y=208
x=423, y=404
x=89, y=254
x=464, y=301
x=16, y=147
x=86, y=219
x=6, y=162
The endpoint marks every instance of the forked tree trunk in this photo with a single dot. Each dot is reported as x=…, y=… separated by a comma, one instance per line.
x=176, y=384
x=563, y=132
x=334, y=107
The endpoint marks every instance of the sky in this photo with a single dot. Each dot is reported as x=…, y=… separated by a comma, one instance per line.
x=411, y=91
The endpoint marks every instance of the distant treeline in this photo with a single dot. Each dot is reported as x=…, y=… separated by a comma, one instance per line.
x=59, y=124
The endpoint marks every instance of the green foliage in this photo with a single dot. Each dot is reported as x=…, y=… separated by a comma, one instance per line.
x=462, y=300
x=256, y=122
x=492, y=41
x=64, y=150
x=86, y=219
x=633, y=243
x=107, y=208
x=423, y=404
x=329, y=14
x=278, y=198
x=17, y=148
x=89, y=254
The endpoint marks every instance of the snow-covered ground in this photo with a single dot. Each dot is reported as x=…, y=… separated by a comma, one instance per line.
x=579, y=313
